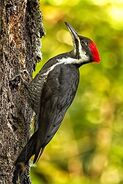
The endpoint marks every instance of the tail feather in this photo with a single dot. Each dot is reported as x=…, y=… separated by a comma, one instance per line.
x=38, y=153
x=25, y=155
x=39, y=147
x=28, y=150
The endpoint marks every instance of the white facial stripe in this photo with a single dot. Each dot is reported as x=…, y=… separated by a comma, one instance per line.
x=82, y=53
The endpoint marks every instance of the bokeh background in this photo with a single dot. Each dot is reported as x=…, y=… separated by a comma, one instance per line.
x=88, y=148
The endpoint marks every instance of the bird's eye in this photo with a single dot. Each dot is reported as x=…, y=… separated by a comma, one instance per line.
x=86, y=43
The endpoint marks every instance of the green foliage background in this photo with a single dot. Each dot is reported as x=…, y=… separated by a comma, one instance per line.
x=88, y=148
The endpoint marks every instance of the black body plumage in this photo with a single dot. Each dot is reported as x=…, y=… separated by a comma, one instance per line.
x=50, y=93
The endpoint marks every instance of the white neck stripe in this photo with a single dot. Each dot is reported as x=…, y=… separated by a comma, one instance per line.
x=60, y=61
x=66, y=61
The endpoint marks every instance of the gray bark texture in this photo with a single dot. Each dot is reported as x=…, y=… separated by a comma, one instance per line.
x=20, y=32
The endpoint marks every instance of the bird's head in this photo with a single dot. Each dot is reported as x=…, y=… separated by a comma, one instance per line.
x=85, y=49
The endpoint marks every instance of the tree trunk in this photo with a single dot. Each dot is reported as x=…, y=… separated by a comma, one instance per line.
x=20, y=33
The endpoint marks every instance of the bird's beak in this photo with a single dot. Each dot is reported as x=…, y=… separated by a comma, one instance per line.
x=72, y=31
x=75, y=38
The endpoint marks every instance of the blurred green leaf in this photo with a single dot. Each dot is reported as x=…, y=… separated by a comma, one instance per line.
x=88, y=148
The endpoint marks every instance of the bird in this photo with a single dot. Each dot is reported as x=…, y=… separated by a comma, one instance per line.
x=51, y=93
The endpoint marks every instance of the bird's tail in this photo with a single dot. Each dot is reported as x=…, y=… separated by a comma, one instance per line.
x=22, y=161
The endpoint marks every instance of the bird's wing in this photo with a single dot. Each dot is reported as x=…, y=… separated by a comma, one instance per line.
x=57, y=95
x=35, y=90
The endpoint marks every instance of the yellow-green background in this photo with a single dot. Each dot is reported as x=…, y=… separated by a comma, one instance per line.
x=88, y=148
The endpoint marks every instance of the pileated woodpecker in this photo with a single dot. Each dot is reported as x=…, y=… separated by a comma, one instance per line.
x=52, y=91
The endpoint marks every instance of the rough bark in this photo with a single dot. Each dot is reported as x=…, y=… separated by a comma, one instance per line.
x=20, y=33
